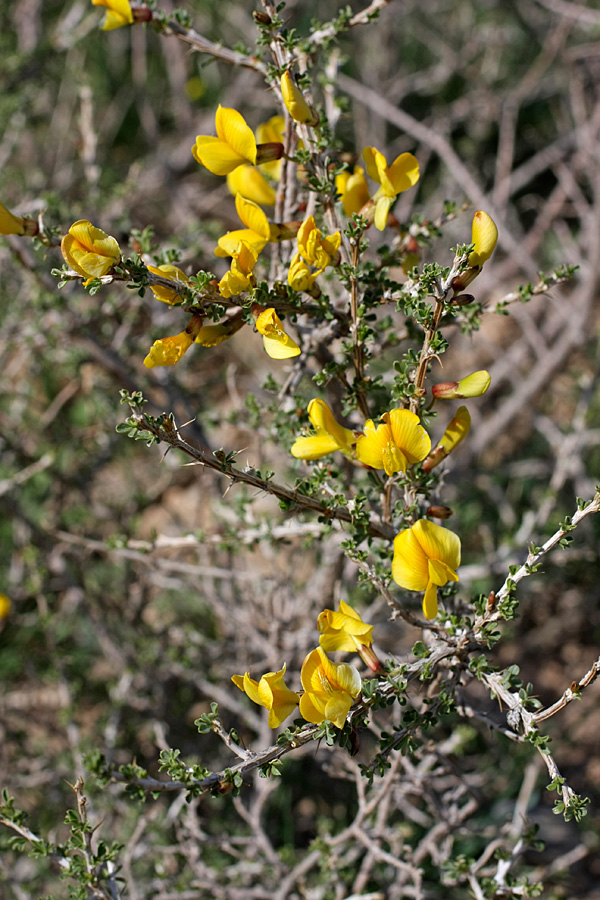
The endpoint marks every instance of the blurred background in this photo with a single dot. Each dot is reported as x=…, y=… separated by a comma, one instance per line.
x=136, y=587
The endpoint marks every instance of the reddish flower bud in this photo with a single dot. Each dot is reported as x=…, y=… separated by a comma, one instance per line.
x=439, y=512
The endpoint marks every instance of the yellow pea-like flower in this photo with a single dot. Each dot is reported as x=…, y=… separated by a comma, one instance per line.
x=118, y=13
x=9, y=223
x=240, y=276
x=300, y=277
x=484, y=236
x=315, y=249
x=233, y=146
x=276, y=342
x=329, y=435
x=212, y=335
x=353, y=189
x=330, y=689
x=257, y=233
x=271, y=692
x=168, y=351
x=426, y=557
x=343, y=629
x=393, y=180
x=89, y=250
x=399, y=441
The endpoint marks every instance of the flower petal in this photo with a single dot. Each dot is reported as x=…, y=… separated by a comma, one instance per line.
x=437, y=542
x=216, y=155
x=232, y=128
x=251, y=184
x=409, y=434
x=314, y=446
x=430, y=602
x=485, y=236
x=409, y=565
x=322, y=418
x=168, y=351
x=404, y=172
x=253, y=217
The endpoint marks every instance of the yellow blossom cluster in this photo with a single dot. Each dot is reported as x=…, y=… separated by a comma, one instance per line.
x=329, y=689
x=426, y=555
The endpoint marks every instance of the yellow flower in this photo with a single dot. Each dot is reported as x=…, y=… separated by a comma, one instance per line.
x=257, y=233
x=165, y=294
x=473, y=385
x=395, y=444
x=271, y=692
x=233, y=146
x=211, y=335
x=425, y=558
x=89, y=250
x=314, y=248
x=240, y=277
x=354, y=190
x=118, y=13
x=330, y=689
x=484, y=234
x=11, y=224
x=277, y=343
x=168, y=351
x=251, y=184
x=457, y=430
x=295, y=103
x=329, y=435
x=393, y=180
x=4, y=606
x=343, y=630
x=300, y=277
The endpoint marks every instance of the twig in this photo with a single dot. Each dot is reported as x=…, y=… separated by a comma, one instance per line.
x=203, y=45
x=361, y=18
x=573, y=692
x=167, y=432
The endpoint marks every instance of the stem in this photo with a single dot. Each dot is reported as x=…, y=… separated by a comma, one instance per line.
x=165, y=430
x=359, y=359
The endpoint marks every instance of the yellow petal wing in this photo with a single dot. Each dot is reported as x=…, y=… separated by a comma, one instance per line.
x=232, y=128
x=409, y=565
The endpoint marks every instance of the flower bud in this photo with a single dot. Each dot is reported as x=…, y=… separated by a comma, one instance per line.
x=473, y=385
x=463, y=299
x=484, y=236
x=457, y=430
x=261, y=18
x=141, y=14
x=268, y=152
x=295, y=103
x=439, y=512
